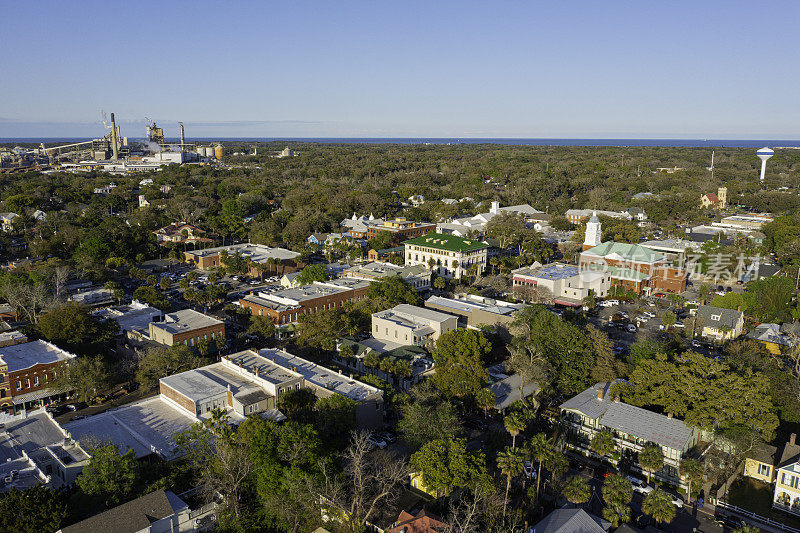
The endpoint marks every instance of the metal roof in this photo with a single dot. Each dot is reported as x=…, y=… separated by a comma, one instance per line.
x=641, y=423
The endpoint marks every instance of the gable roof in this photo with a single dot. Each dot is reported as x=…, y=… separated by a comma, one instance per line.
x=770, y=333
x=727, y=318
x=423, y=522
x=625, y=252
x=712, y=197
x=132, y=516
x=571, y=521
x=647, y=425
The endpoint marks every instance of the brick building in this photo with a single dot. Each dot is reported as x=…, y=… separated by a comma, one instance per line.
x=277, y=258
x=26, y=369
x=187, y=327
x=285, y=306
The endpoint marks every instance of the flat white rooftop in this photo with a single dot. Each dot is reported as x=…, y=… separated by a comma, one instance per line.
x=257, y=253
x=186, y=320
x=29, y=354
x=469, y=303
x=320, y=376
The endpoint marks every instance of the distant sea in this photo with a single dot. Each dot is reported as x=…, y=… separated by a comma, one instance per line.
x=728, y=143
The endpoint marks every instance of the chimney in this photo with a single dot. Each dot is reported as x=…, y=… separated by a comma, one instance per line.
x=183, y=139
x=600, y=392
x=792, y=438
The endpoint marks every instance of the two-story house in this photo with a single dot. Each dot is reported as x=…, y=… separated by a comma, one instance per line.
x=594, y=410
x=719, y=324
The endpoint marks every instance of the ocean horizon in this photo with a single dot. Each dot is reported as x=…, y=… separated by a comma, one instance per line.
x=676, y=143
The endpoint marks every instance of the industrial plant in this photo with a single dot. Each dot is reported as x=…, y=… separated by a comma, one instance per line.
x=113, y=152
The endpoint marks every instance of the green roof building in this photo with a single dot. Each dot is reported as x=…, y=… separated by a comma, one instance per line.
x=447, y=255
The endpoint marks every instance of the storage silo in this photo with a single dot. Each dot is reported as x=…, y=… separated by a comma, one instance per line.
x=219, y=151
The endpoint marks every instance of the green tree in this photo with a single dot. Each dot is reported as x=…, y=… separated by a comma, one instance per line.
x=705, y=292
x=159, y=362
x=509, y=462
x=658, y=505
x=87, y=376
x=540, y=449
x=514, y=422
x=445, y=464
x=32, y=510
x=298, y=404
x=391, y=291
x=261, y=325
x=603, y=443
x=428, y=418
x=668, y=319
x=651, y=459
x=310, y=274
x=617, y=493
x=460, y=355
x=577, y=490
x=71, y=327
x=109, y=475
x=151, y=296
x=485, y=400
x=335, y=418
x=692, y=470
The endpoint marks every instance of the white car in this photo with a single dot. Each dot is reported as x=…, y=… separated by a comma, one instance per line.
x=642, y=488
x=631, y=328
x=377, y=442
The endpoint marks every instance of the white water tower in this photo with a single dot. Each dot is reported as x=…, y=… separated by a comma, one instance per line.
x=764, y=154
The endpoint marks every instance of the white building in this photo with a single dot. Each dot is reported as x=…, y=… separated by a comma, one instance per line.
x=407, y=324
x=567, y=284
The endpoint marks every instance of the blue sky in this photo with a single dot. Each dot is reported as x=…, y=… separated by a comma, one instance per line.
x=710, y=69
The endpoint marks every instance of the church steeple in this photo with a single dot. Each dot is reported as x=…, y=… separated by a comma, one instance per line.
x=593, y=232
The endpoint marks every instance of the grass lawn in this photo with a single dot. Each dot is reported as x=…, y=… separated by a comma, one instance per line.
x=756, y=496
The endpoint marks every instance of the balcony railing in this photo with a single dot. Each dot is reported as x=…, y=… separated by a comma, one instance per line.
x=794, y=509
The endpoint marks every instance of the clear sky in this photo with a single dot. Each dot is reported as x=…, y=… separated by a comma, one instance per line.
x=642, y=69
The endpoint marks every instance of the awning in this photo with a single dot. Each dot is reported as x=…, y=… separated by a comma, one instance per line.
x=36, y=395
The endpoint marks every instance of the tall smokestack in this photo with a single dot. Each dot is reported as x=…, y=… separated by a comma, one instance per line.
x=183, y=139
x=114, y=149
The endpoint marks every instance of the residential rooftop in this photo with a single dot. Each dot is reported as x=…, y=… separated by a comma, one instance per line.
x=644, y=424
x=186, y=320
x=133, y=516
x=320, y=376
x=29, y=354
x=447, y=242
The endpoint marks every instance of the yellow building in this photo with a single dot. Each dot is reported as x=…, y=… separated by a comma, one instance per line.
x=770, y=337
x=761, y=463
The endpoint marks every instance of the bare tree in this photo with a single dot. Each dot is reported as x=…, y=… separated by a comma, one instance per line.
x=368, y=482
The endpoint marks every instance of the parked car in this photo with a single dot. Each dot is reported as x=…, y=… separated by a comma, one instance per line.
x=642, y=487
x=377, y=442
x=631, y=328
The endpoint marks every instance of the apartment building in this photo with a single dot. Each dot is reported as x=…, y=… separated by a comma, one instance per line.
x=446, y=255
x=26, y=368
x=406, y=324
x=258, y=254
x=475, y=310
x=593, y=410
x=559, y=282
x=285, y=306
x=187, y=327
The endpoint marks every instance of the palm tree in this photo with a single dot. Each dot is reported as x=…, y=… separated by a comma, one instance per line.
x=514, y=423
x=617, y=493
x=509, y=461
x=577, y=490
x=485, y=399
x=602, y=443
x=658, y=504
x=539, y=448
x=692, y=470
x=651, y=459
